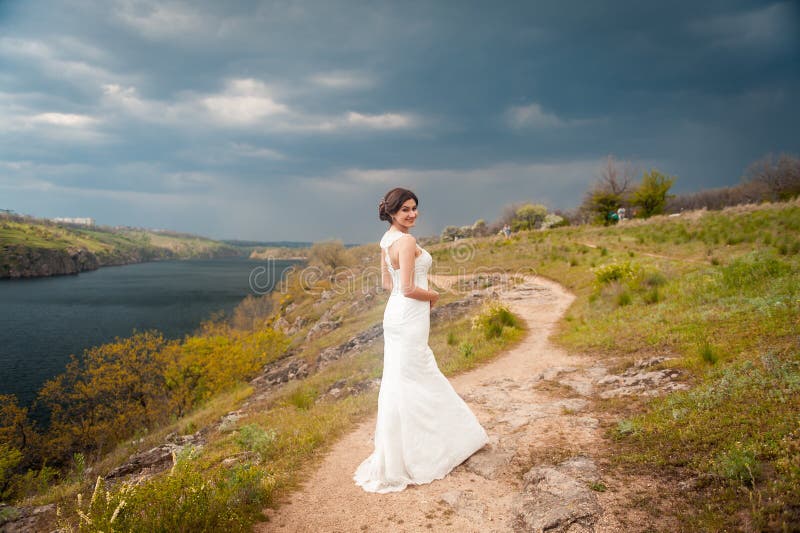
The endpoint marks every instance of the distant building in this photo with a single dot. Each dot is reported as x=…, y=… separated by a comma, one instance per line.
x=84, y=221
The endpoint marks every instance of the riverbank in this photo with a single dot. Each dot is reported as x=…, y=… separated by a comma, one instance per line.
x=31, y=248
x=46, y=319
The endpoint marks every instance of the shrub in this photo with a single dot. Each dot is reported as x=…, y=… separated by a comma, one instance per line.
x=246, y=484
x=329, y=254
x=303, y=398
x=34, y=481
x=9, y=459
x=553, y=221
x=654, y=279
x=613, y=272
x=252, y=312
x=624, y=298
x=528, y=217
x=737, y=463
x=467, y=349
x=255, y=438
x=185, y=499
x=494, y=317
x=452, y=340
x=652, y=296
x=626, y=427
x=708, y=353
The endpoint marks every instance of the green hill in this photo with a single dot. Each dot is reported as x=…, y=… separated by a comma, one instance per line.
x=32, y=247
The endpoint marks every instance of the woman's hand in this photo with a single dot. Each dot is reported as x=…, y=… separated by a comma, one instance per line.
x=434, y=299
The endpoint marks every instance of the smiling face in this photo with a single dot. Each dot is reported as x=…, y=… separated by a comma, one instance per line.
x=406, y=216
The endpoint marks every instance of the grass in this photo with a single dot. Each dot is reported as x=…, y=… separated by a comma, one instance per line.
x=276, y=444
x=720, y=293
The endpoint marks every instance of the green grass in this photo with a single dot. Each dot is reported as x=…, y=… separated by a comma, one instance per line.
x=719, y=292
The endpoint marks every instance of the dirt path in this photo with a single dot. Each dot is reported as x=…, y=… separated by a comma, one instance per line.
x=537, y=473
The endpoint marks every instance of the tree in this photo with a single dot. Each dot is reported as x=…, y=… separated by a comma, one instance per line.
x=614, y=179
x=551, y=220
x=16, y=436
x=609, y=192
x=116, y=389
x=331, y=254
x=781, y=177
x=651, y=196
x=252, y=312
x=15, y=428
x=507, y=216
x=449, y=233
x=479, y=228
x=529, y=216
x=600, y=203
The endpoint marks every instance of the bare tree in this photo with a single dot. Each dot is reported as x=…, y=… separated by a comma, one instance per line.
x=506, y=217
x=781, y=177
x=611, y=190
x=766, y=179
x=616, y=177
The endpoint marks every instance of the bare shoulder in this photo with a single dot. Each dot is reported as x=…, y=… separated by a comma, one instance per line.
x=399, y=238
x=406, y=240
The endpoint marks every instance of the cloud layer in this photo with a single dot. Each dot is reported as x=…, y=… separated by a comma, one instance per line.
x=289, y=120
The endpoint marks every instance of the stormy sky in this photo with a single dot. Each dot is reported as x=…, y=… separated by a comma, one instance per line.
x=289, y=120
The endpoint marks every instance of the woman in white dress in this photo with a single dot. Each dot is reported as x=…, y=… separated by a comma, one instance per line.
x=424, y=429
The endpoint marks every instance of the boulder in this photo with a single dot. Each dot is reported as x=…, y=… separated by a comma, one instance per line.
x=156, y=459
x=558, y=499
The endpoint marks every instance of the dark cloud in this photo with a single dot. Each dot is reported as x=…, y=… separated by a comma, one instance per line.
x=233, y=118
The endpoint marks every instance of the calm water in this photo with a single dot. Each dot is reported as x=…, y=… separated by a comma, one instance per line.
x=44, y=320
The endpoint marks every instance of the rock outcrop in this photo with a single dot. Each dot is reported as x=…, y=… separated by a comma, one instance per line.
x=558, y=499
x=154, y=460
x=20, y=261
x=642, y=380
x=25, y=519
x=24, y=262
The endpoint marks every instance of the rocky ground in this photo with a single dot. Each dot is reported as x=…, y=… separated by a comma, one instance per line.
x=544, y=468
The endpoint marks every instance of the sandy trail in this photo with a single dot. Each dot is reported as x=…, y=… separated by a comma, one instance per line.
x=529, y=416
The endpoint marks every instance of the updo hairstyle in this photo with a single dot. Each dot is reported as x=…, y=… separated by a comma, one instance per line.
x=392, y=202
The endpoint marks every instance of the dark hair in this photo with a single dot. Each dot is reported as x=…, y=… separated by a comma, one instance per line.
x=393, y=201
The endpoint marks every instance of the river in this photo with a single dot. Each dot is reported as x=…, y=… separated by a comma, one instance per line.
x=44, y=320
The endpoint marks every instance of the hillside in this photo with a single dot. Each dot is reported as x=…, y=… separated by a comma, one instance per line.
x=680, y=343
x=33, y=247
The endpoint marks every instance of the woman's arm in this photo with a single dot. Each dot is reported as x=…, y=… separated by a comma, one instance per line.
x=407, y=249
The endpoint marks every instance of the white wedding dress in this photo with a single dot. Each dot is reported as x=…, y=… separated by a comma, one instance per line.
x=424, y=429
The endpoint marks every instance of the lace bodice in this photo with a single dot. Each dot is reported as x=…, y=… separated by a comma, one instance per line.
x=422, y=263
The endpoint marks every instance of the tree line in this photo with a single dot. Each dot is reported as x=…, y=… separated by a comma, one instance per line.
x=770, y=179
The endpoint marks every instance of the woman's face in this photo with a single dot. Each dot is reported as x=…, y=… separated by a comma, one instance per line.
x=407, y=214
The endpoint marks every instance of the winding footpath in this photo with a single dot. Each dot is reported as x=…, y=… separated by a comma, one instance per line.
x=538, y=473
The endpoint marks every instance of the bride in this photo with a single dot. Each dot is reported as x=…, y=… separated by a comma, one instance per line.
x=424, y=429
